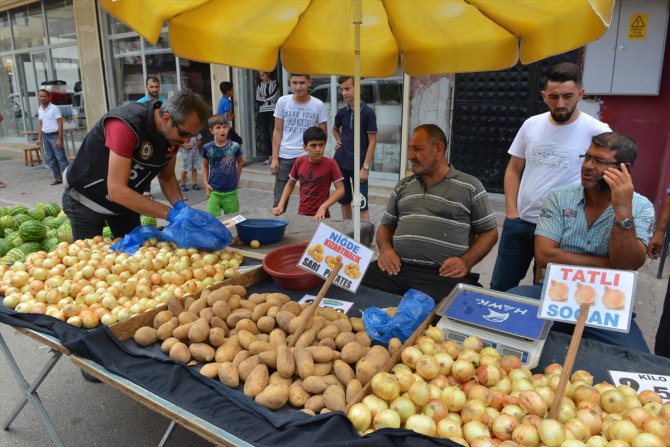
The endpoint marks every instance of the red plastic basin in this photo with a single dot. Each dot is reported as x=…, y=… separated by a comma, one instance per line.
x=280, y=264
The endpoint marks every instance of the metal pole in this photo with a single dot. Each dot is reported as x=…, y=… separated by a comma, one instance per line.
x=356, y=202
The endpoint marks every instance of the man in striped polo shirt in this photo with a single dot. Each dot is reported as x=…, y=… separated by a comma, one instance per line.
x=438, y=224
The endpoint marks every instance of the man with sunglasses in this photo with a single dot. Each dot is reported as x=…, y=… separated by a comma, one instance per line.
x=123, y=152
x=601, y=222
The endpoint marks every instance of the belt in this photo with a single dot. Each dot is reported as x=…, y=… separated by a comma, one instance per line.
x=50, y=133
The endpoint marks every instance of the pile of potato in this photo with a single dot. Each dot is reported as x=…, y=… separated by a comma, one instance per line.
x=247, y=340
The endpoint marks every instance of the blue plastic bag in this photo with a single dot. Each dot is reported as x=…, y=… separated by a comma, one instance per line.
x=414, y=307
x=191, y=228
x=132, y=241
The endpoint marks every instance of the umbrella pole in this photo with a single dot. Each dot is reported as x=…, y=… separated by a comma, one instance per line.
x=356, y=202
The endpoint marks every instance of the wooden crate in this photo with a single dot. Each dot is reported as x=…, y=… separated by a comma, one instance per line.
x=127, y=328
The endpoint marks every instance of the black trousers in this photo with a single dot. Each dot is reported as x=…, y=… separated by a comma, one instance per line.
x=86, y=223
x=413, y=276
x=662, y=344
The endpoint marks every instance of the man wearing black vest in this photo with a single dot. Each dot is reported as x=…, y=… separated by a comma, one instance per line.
x=123, y=152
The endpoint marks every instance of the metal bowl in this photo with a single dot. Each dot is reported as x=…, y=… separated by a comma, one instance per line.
x=265, y=231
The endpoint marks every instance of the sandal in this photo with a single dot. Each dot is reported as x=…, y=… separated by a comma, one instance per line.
x=184, y=188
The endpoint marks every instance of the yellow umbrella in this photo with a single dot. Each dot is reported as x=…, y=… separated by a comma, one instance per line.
x=368, y=37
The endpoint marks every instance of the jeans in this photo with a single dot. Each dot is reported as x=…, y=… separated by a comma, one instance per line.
x=267, y=126
x=285, y=166
x=632, y=340
x=515, y=251
x=55, y=158
x=86, y=223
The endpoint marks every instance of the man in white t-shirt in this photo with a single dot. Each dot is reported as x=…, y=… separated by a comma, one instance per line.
x=545, y=155
x=293, y=115
x=50, y=132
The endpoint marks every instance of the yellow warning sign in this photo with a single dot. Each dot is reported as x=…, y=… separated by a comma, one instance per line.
x=637, y=28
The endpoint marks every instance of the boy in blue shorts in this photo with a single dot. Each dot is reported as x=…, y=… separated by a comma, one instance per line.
x=222, y=164
x=190, y=158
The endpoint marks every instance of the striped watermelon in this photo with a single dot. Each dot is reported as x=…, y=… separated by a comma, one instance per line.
x=8, y=222
x=30, y=247
x=32, y=230
x=17, y=209
x=36, y=213
x=14, y=239
x=15, y=254
x=50, y=243
x=20, y=218
x=52, y=209
x=2, y=232
x=4, y=211
x=65, y=233
x=5, y=246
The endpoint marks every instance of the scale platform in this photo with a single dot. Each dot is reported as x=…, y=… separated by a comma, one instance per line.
x=504, y=321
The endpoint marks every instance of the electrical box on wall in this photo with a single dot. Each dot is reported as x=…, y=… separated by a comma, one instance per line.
x=628, y=59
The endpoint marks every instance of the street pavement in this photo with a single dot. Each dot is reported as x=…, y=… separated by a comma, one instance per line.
x=87, y=414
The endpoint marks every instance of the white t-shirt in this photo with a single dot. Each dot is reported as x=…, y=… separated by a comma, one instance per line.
x=49, y=117
x=552, y=158
x=297, y=118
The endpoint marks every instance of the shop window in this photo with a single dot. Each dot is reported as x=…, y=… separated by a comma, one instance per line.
x=28, y=26
x=60, y=22
x=5, y=33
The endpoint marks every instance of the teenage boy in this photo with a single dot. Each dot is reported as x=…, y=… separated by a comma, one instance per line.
x=343, y=131
x=315, y=174
x=222, y=164
x=294, y=114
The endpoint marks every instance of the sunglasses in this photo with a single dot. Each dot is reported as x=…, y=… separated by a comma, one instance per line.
x=182, y=133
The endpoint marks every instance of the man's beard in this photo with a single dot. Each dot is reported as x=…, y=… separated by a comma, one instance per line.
x=562, y=118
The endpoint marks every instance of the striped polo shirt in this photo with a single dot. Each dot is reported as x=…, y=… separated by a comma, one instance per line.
x=562, y=219
x=434, y=223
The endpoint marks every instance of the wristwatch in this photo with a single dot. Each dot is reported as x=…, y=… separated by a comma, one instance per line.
x=366, y=166
x=625, y=224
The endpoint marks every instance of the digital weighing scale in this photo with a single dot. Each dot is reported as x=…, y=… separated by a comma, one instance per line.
x=504, y=321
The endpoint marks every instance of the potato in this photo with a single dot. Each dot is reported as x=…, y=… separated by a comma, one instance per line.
x=283, y=318
x=394, y=345
x=293, y=307
x=331, y=379
x=248, y=365
x=244, y=304
x=278, y=298
x=297, y=396
x=237, y=315
x=257, y=298
x=221, y=309
x=334, y=398
x=188, y=301
x=187, y=317
x=220, y=294
x=317, y=324
x=279, y=380
x=216, y=337
x=344, y=372
x=179, y=352
x=199, y=331
x=343, y=338
x=322, y=369
x=240, y=357
x=218, y=322
x=168, y=344
x=321, y=354
x=328, y=342
x=175, y=306
x=204, y=293
x=166, y=329
x=273, y=311
x=306, y=339
x=263, y=337
x=315, y=403
x=145, y=336
x=234, y=302
x=210, y=370
x=352, y=352
x=357, y=324
x=363, y=339
x=277, y=337
x=273, y=396
x=246, y=338
x=295, y=323
x=247, y=324
x=365, y=369
x=259, y=346
x=379, y=355
x=342, y=324
x=306, y=411
x=256, y=381
x=238, y=290
x=162, y=317
x=330, y=331
x=198, y=305
x=228, y=375
x=207, y=314
x=181, y=332
x=228, y=350
x=353, y=388
x=202, y=352
x=265, y=324
x=259, y=310
x=303, y=362
x=314, y=384
x=328, y=313
x=285, y=361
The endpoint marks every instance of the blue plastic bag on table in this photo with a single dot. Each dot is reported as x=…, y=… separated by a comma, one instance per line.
x=413, y=308
x=191, y=228
x=132, y=241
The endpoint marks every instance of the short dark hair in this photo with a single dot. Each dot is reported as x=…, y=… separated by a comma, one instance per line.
x=43, y=90
x=343, y=79
x=182, y=103
x=152, y=78
x=435, y=134
x=225, y=86
x=299, y=74
x=564, y=72
x=625, y=146
x=217, y=119
x=314, y=134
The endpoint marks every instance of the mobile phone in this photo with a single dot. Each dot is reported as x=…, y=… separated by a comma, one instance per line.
x=602, y=184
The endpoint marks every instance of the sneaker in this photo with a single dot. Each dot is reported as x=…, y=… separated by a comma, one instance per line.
x=56, y=181
x=196, y=187
x=184, y=188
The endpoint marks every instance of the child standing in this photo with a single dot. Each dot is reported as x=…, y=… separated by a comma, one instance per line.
x=315, y=174
x=190, y=157
x=222, y=164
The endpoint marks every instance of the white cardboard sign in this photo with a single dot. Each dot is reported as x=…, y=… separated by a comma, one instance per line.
x=329, y=246
x=643, y=381
x=339, y=305
x=610, y=294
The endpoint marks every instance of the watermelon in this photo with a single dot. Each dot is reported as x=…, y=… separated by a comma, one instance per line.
x=4, y=211
x=32, y=230
x=20, y=218
x=8, y=222
x=5, y=246
x=65, y=233
x=50, y=243
x=52, y=233
x=59, y=221
x=36, y=213
x=14, y=239
x=30, y=247
x=15, y=210
x=15, y=254
x=148, y=220
x=2, y=232
x=52, y=209
x=50, y=221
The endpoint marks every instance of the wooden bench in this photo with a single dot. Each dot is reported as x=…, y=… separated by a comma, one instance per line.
x=31, y=156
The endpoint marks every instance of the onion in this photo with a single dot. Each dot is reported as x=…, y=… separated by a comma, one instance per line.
x=405, y=378
x=526, y=435
x=419, y=393
x=653, y=407
x=480, y=392
x=503, y=426
x=451, y=348
x=591, y=419
x=475, y=429
x=473, y=343
x=474, y=410
x=360, y=416
x=647, y=396
x=552, y=433
x=577, y=429
x=410, y=356
x=404, y=407
x=638, y=416
x=612, y=401
x=488, y=375
x=448, y=428
x=623, y=430
x=647, y=440
x=375, y=404
x=462, y=370
x=421, y=423
x=660, y=427
x=514, y=410
x=454, y=398
x=435, y=408
x=427, y=367
x=596, y=441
